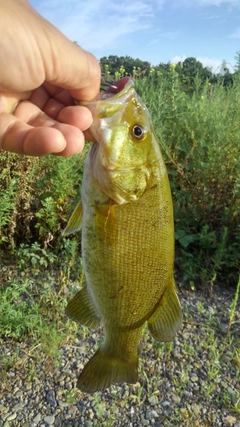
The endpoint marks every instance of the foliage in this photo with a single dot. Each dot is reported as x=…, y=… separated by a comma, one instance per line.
x=37, y=196
x=200, y=140
x=197, y=125
x=113, y=64
x=30, y=310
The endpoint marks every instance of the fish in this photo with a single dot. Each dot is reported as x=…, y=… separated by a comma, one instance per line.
x=127, y=223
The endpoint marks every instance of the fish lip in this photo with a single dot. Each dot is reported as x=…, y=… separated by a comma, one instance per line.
x=128, y=83
x=111, y=96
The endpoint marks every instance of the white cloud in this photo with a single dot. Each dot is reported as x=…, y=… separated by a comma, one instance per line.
x=97, y=25
x=213, y=64
x=178, y=58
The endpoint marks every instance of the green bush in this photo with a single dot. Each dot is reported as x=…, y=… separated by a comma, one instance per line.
x=199, y=135
x=200, y=139
x=36, y=198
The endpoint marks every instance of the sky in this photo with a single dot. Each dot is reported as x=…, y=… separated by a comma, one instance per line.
x=157, y=31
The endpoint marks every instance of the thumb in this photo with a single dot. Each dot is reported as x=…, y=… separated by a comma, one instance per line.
x=34, y=51
x=67, y=65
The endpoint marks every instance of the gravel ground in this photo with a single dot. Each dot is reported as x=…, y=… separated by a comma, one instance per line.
x=193, y=382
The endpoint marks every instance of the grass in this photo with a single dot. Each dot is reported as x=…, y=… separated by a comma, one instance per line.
x=197, y=133
x=33, y=323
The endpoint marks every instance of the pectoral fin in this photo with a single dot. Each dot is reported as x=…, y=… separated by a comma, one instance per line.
x=167, y=318
x=75, y=221
x=81, y=309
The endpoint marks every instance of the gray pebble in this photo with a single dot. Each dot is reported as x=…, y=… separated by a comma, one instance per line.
x=176, y=399
x=37, y=419
x=49, y=419
x=225, y=359
x=151, y=414
x=50, y=398
x=165, y=404
x=12, y=417
x=63, y=404
x=223, y=327
x=28, y=386
x=230, y=420
x=18, y=407
x=195, y=408
x=153, y=400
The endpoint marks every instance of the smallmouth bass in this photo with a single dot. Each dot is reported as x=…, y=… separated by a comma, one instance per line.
x=126, y=217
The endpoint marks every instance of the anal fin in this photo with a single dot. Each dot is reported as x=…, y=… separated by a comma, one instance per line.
x=81, y=309
x=167, y=318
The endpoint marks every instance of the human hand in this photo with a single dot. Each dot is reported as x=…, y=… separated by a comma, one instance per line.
x=45, y=72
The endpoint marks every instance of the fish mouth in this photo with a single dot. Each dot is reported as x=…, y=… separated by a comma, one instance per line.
x=118, y=88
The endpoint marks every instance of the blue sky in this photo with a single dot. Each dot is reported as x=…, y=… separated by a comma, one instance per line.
x=152, y=30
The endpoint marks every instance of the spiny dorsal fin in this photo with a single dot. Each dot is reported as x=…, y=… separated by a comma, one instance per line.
x=75, y=221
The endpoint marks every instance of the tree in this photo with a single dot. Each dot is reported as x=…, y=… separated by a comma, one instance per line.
x=189, y=70
x=237, y=57
x=113, y=63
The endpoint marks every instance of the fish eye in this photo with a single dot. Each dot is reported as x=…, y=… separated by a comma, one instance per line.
x=138, y=132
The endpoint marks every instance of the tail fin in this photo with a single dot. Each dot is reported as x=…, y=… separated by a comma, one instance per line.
x=103, y=370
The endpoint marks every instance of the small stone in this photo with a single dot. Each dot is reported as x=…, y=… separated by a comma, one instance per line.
x=37, y=419
x=223, y=327
x=62, y=404
x=49, y=419
x=194, y=378
x=59, y=392
x=176, y=399
x=225, y=359
x=3, y=409
x=230, y=420
x=177, y=355
x=50, y=398
x=165, y=404
x=145, y=423
x=12, y=417
x=18, y=407
x=151, y=413
x=195, y=408
x=237, y=424
x=28, y=386
x=186, y=335
x=153, y=400
x=19, y=393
